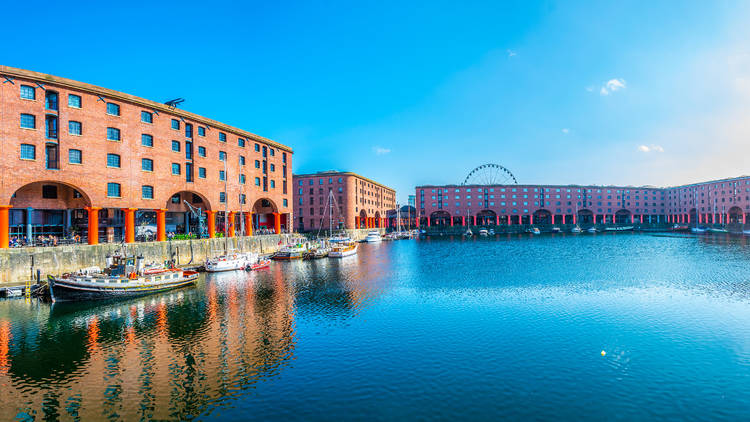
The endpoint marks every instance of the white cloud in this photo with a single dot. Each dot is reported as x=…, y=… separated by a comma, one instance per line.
x=511, y=53
x=650, y=148
x=381, y=150
x=612, y=85
x=566, y=131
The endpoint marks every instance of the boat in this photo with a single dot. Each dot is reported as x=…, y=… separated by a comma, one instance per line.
x=259, y=265
x=230, y=262
x=492, y=232
x=591, y=229
x=698, y=229
x=717, y=230
x=342, y=249
x=468, y=232
x=680, y=227
x=124, y=277
x=373, y=237
x=619, y=229
x=576, y=229
x=483, y=232
x=746, y=232
x=556, y=229
x=533, y=230
x=290, y=252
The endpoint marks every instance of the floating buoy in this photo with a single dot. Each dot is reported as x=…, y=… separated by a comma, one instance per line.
x=604, y=353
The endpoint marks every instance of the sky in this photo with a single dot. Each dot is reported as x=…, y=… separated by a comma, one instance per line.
x=413, y=93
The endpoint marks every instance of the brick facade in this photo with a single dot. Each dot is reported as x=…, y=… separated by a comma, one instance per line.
x=356, y=200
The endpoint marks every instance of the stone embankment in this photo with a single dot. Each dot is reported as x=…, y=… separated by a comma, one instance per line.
x=18, y=264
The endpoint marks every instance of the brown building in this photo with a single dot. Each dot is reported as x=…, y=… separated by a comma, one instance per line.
x=77, y=156
x=355, y=201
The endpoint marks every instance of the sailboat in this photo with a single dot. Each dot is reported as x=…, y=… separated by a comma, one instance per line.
x=697, y=228
x=468, y=228
x=576, y=228
x=229, y=261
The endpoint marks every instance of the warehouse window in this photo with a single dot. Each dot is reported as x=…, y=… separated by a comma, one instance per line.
x=75, y=156
x=113, y=109
x=28, y=152
x=113, y=190
x=28, y=92
x=113, y=160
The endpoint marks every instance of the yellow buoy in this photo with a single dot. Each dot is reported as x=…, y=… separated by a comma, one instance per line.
x=604, y=353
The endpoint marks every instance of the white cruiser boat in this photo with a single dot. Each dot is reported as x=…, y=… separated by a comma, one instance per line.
x=373, y=237
x=483, y=232
x=575, y=229
x=342, y=249
x=534, y=230
x=231, y=262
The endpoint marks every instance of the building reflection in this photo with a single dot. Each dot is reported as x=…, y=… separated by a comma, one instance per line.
x=169, y=356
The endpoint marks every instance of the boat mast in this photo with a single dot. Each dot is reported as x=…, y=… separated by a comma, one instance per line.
x=226, y=208
x=330, y=213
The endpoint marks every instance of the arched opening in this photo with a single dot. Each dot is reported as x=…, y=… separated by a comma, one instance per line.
x=585, y=217
x=378, y=221
x=693, y=216
x=735, y=215
x=623, y=216
x=486, y=217
x=362, y=219
x=266, y=217
x=440, y=218
x=542, y=216
x=185, y=215
x=47, y=209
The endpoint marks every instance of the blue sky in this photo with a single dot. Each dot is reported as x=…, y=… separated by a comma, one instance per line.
x=420, y=93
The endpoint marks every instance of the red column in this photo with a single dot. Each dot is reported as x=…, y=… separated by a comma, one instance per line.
x=93, y=228
x=416, y=221
x=356, y=222
x=451, y=221
x=428, y=221
x=4, y=226
x=531, y=219
x=230, y=220
x=277, y=222
x=463, y=220
x=632, y=219
x=507, y=220
x=641, y=218
x=565, y=218
x=249, y=224
x=594, y=218
x=161, y=225
x=497, y=220
x=211, y=218
x=744, y=216
x=129, y=224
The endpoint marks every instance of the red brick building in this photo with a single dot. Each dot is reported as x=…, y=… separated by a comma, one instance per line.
x=357, y=202
x=77, y=157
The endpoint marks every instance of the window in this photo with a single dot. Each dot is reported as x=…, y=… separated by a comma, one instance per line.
x=283, y=160
x=273, y=168
x=257, y=181
x=273, y=184
x=222, y=197
x=271, y=150
x=241, y=142
x=113, y=160
x=147, y=192
x=28, y=121
x=242, y=160
x=188, y=130
x=147, y=117
x=222, y=156
x=176, y=146
x=50, y=100
x=147, y=164
x=202, y=172
x=175, y=124
x=257, y=148
x=49, y=191
x=257, y=164
x=74, y=128
x=113, y=134
x=28, y=92
x=222, y=137
x=113, y=190
x=74, y=156
x=28, y=152
x=242, y=179
x=222, y=175
x=201, y=131
x=74, y=101
x=175, y=168
x=113, y=109
x=202, y=151
x=147, y=140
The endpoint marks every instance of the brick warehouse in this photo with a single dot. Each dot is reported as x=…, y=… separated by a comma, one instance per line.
x=358, y=202
x=77, y=156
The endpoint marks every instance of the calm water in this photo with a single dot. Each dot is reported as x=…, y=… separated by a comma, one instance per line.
x=439, y=329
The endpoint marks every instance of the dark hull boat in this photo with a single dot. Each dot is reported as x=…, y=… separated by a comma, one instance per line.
x=71, y=289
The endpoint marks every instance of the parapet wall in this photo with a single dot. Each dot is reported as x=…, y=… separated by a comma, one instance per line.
x=16, y=263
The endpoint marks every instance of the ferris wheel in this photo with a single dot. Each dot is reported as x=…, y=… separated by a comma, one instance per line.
x=490, y=174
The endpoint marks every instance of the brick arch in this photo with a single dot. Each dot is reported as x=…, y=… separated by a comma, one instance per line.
x=187, y=195
x=261, y=207
x=30, y=195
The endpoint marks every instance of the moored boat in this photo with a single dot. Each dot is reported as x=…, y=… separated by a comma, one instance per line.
x=373, y=237
x=533, y=230
x=619, y=229
x=591, y=229
x=483, y=232
x=259, y=265
x=124, y=277
x=290, y=252
x=576, y=229
x=342, y=249
x=230, y=262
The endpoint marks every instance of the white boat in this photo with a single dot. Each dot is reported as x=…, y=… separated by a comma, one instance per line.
x=342, y=249
x=619, y=229
x=698, y=229
x=591, y=229
x=373, y=237
x=719, y=230
x=290, y=252
x=231, y=262
x=575, y=229
x=534, y=230
x=556, y=229
x=492, y=232
x=469, y=232
x=483, y=232
x=746, y=232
